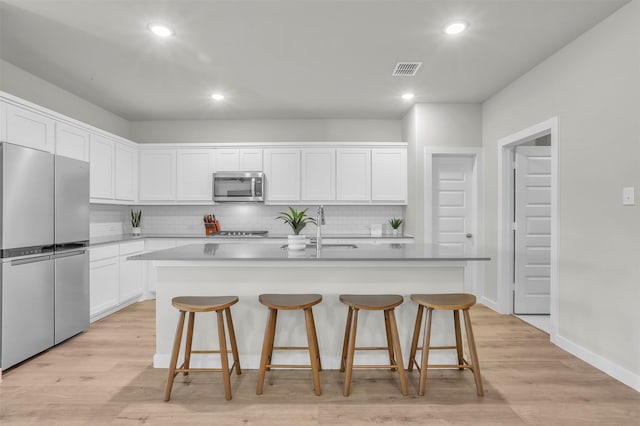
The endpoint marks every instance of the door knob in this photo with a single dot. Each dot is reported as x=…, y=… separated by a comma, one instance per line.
x=469, y=235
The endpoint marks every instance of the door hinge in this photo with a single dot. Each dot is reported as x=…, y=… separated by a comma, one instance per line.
x=514, y=226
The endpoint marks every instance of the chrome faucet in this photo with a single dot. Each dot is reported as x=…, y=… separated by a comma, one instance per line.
x=319, y=223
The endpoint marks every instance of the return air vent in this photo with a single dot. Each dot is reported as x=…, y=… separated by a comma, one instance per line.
x=406, y=69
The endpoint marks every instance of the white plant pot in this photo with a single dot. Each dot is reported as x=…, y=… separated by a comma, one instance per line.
x=297, y=242
x=136, y=230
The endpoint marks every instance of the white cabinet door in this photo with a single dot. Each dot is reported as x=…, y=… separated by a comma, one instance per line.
x=125, y=173
x=3, y=121
x=72, y=142
x=250, y=160
x=282, y=174
x=318, y=174
x=194, y=174
x=28, y=128
x=226, y=160
x=104, y=291
x=102, y=167
x=389, y=175
x=131, y=272
x=234, y=160
x=157, y=175
x=353, y=177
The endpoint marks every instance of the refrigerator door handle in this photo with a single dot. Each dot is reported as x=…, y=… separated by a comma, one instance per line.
x=29, y=260
x=68, y=254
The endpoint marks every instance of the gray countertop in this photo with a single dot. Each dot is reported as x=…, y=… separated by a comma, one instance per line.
x=273, y=252
x=111, y=239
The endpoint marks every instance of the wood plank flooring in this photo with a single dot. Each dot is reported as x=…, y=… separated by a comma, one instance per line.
x=104, y=376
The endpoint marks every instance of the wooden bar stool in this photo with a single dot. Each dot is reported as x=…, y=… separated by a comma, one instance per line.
x=386, y=303
x=290, y=302
x=193, y=304
x=450, y=302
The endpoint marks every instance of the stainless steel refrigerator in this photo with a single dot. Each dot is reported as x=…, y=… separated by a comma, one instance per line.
x=44, y=233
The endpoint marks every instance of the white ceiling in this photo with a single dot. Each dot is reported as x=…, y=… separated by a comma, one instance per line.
x=284, y=59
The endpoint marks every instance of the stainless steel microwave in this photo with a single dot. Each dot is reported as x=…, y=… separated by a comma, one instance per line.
x=244, y=187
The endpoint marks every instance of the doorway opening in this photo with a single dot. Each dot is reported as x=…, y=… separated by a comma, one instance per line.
x=452, y=206
x=528, y=224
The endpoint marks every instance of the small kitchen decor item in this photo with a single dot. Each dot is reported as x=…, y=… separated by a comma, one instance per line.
x=395, y=223
x=211, y=224
x=297, y=220
x=136, y=217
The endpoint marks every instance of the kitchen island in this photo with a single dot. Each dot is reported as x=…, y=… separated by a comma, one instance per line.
x=247, y=270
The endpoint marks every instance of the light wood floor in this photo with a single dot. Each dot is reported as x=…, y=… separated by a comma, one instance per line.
x=104, y=376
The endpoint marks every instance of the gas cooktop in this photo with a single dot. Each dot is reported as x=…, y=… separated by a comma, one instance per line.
x=241, y=234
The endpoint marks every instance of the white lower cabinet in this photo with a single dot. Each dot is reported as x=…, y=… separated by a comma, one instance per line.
x=104, y=275
x=131, y=272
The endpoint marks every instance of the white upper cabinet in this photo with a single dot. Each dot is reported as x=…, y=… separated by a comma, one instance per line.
x=318, y=174
x=194, y=174
x=125, y=172
x=72, y=141
x=234, y=160
x=389, y=175
x=28, y=128
x=3, y=121
x=102, y=167
x=157, y=175
x=353, y=177
x=282, y=174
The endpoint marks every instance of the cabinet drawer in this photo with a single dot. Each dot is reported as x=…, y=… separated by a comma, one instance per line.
x=130, y=248
x=105, y=252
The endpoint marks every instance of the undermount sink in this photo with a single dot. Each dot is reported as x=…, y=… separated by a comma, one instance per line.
x=326, y=246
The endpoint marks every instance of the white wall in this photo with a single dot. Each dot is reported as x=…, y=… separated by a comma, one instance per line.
x=435, y=125
x=207, y=131
x=593, y=87
x=27, y=86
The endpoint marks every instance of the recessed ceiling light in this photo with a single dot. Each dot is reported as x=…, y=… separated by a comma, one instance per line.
x=456, y=27
x=161, y=30
x=217, y=97
x=408, y=96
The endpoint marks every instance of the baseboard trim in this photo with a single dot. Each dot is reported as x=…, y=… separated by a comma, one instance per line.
x=491, y=304
x=614, y=370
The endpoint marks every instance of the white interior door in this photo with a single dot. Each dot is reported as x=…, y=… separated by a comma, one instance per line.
x=532, y=269
x=453, y=203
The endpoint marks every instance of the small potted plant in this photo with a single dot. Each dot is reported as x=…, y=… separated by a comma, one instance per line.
x=395, y=223
x=297, y=220
x=136, y=216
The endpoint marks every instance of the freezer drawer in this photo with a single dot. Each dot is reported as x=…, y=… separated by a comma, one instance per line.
x=71, y=294
x=27, y=308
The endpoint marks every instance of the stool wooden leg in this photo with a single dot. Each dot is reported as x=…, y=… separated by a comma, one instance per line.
x=232, y=338
x=315, y=341
x=267, y=348
x=414, y=340
x=456, y=322
x=224, y=360
x=474, y=354
x=351, y=352
x=345, y=343
x=273, y=337
x=424, y=363
x=174, y=356
x=398, y=351
x=387, y=327
x=313, y=349
x=187, y=346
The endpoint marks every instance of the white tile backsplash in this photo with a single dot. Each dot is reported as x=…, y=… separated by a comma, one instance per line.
x=111, y=220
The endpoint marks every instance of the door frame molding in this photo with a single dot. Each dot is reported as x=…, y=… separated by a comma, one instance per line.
x=473, y=271
x=505, y=251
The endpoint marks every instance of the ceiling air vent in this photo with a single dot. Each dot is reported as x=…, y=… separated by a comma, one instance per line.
x=406, y=69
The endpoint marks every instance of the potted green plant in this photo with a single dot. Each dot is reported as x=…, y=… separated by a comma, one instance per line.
x=395, y=223
x=136, y=217
x=297, y=220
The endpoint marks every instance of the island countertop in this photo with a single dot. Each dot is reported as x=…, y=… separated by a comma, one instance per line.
x=329, y=253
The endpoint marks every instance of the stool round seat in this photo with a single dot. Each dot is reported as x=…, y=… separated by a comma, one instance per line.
x=372, y=302
x=203, y=303
x=447, y=302
x=290, y=301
